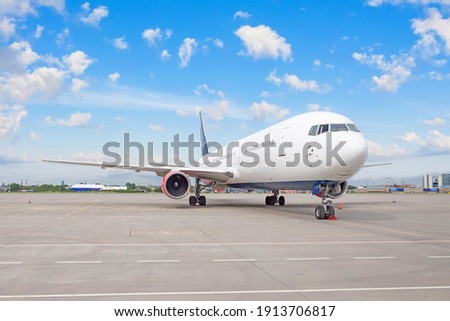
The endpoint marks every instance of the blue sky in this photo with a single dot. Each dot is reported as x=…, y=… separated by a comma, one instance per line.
x=75, y=75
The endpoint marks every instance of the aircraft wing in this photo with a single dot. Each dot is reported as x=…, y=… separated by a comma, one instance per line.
x=379, y=164
x=161, y=170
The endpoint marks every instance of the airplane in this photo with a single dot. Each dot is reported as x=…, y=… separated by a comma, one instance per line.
x=314, y=151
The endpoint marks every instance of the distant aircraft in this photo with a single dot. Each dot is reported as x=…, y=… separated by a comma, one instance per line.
x=315, y=151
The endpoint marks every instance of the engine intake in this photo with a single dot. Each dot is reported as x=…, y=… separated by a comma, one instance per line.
x=175, y=184
x=338, y=190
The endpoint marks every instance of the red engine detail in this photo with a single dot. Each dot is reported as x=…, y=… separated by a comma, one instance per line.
x=175, y=184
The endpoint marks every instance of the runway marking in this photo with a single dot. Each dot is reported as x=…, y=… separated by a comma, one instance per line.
x=231, y=244
x=87, y=295
x=307, y=258
x=439, y=257
x=234, y=260
x=338, y=235
x=384, y=229
x=9, y=263
x=374, y=257
x=158, y=261
x=79, y=262
x=80, y=209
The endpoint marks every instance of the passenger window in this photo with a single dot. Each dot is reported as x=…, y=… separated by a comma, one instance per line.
x=313, y=131
x=323, y=129
x=338, y=128
x=353, y=128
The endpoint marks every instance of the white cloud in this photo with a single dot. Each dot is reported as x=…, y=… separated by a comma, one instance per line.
x=156, y=128
x=218, y=43
x=435, y=122
x=376, y=3
x=7, y=28
x=25, y=7
x=165, y=55
x=434, y=25
x=272, y=77
x=436, y=75
x=265, y=110
x=301, y=85
x=44, y=80
x=77, y=119
x=34, y=136
x=389, y=151
x=184, y=112
x=317, y=107
x=242, y=14
x=186, y=51
x=437, y=141
x=434, y=142
x=411, y=137
x=26, y=56
x=114, y=77
x=94, y=17
x=263, y=42
x=38, y=32
x=294, y=82
x=218, y=110
x=151, y=35
x=77, y=62
x=78, y=84
x=10, y=118
x=317, y=63
x=204, y=88
x=120, y=43
x=397, y=70
x=62, y=36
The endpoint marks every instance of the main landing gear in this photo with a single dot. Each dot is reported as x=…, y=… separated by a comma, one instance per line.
x=274, y=199
x=198, y=199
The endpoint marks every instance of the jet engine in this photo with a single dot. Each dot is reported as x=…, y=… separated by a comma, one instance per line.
x=175, y=184
x=338, y=190
x=334, y=190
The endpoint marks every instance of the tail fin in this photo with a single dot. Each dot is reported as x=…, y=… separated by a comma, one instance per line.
x=203, y=141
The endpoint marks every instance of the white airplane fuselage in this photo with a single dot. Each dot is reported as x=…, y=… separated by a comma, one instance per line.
x=292, y=158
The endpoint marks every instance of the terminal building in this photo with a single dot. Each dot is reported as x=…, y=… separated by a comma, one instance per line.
x=436, y=183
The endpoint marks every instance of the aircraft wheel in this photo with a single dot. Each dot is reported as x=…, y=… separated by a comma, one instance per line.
x=192, y=200
x=281, y=200
x=319, y=212
x=273, y=200
x=202, y=200
x=267, y=200
x=330, y=211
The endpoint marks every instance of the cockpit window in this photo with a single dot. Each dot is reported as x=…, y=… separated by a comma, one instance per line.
x=338, y=128
x=313, y=131
x=353, y=128
x=323, y=129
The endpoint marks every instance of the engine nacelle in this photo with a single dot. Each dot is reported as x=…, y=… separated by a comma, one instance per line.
x=175, y=184
x=336, y=190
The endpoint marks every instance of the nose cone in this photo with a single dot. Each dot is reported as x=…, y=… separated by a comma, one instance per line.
x=354, y=152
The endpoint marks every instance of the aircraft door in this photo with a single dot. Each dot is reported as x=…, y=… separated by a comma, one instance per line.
x=283, y=139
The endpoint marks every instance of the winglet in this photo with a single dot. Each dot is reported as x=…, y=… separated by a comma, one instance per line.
x=203, y=141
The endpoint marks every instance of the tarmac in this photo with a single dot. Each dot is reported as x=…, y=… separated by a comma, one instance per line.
x=108, y=246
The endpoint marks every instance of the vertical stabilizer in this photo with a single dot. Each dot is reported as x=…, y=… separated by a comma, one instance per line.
x=203, y=141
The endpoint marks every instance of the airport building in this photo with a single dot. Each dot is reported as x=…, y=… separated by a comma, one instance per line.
x=440, y=182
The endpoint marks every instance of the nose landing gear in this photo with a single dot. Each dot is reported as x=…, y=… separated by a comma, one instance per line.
x=326, y=210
